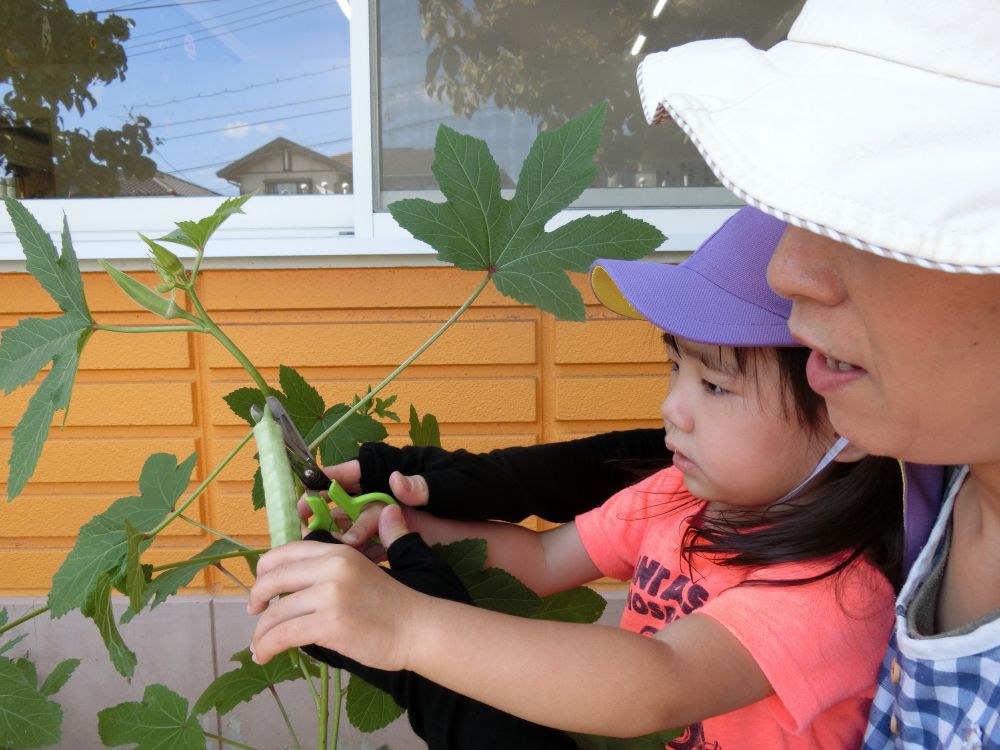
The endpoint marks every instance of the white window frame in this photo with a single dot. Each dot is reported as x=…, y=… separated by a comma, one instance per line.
x=300, y=231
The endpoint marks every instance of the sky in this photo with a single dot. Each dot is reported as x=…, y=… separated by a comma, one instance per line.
x=220, y=78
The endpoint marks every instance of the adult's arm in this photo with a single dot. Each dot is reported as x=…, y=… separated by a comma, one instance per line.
x=556, y=481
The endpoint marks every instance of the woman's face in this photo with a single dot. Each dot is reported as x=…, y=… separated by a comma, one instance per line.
x=908, y=359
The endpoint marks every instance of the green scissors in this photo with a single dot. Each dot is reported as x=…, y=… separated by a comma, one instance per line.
x=314, y=479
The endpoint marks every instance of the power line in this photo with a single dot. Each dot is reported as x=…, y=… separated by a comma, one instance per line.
x=208, y=28
x=136, y=6
x=133, y=37
x=251, y=124
x=248, y=111
x=227, y=31
x=153, y=105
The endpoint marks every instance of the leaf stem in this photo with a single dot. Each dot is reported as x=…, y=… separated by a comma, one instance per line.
x=208, y=559
x=284, y=715
x=21, y=620
x=221, y=568
x=213, y=532
x=406, y=363
x=150, y=329
x=201, y=488
x=227, y=741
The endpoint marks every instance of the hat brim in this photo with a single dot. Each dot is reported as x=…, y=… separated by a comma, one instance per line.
x=686, y=304
x=886, y=157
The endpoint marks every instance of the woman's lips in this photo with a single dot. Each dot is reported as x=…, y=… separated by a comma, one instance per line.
x=826, y=374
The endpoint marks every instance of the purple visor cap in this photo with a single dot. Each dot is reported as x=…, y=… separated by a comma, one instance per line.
x=719, y=295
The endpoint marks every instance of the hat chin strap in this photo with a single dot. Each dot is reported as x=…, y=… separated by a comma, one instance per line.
x=827, y=459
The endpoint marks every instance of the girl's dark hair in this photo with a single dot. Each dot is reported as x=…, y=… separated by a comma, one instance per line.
x=857, y=509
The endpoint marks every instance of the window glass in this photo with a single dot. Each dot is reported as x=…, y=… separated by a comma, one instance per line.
x=503, y=70
x=102, y=98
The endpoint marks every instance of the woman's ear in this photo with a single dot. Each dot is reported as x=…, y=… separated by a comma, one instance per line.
x=850, y=454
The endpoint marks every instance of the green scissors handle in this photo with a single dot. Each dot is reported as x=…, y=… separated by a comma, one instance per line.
x=352, y=505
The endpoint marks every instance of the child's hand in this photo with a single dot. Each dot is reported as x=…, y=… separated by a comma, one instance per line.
x=334, y=597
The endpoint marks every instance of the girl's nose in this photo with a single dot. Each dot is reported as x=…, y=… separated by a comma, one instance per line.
x=806, y=266
x=675, y=411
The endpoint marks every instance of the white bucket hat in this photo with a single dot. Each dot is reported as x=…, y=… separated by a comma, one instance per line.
x=876, y=123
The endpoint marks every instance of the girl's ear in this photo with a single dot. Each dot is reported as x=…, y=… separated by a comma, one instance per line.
x=851, y=454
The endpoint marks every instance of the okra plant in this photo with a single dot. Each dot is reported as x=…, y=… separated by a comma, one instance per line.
x=475, y=229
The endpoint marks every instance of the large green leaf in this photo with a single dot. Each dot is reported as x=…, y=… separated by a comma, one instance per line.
x=655, y=741
x=369, y=708
x=159, y=722
x=34, y=342
x=28, y=719
x=102, y=545
x=243, y=683
x=477, y=229
x=581, y=604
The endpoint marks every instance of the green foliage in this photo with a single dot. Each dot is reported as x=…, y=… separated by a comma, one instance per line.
x=368, y=708
x=145, y=297
x=160, y=720
x=477, y=229
x=102, y=546
x=34, y=342
x=29, y=719
x=165, y=585
x=424, y=431
x=655, y=741
x=249, y=679
x=195, y=234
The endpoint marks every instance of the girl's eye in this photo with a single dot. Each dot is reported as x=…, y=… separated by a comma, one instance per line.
x=713, y=388
x=672, y=365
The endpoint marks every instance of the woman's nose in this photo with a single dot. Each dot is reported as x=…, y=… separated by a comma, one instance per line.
x=805, y=266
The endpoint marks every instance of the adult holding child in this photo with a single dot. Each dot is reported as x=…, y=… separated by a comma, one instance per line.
x=873, y=130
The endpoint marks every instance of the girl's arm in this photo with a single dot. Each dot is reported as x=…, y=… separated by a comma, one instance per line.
x=556, y=481
x=585, y=678
x=546, y=562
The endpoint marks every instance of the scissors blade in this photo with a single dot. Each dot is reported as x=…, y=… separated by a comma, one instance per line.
x=303, y=463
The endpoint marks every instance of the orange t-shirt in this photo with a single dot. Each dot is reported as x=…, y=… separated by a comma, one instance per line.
x=819, y=644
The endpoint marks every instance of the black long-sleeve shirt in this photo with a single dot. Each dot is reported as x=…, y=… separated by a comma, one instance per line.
x=557, y=481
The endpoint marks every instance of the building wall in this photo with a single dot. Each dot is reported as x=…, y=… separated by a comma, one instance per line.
x=504, y=375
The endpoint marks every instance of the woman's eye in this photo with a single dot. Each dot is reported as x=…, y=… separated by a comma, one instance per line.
x=672, y=365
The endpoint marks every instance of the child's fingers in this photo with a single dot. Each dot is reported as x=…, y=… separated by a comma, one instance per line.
x=409, y=490
x=292, y=567
x=392, y=525
x=365, y=527
x=275, y=636
x=346, y=474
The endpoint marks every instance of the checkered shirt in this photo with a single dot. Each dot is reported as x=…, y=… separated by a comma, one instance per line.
x=941, y=692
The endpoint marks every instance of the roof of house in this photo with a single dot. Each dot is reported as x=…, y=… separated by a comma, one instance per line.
x=242, y=165
x=162, y=184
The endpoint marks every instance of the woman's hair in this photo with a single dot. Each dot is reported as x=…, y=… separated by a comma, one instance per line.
x=857, y=508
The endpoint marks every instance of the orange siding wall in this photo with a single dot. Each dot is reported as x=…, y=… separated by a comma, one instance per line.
x=504, y=375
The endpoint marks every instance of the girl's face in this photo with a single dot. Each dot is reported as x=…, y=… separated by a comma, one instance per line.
x=906, y=358
x=736, y=437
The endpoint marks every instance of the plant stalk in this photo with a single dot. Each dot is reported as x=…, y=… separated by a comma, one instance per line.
x=150, y=329
x=213, y=532
x=323, y=714
x=208, y=559
x=21, y=620
x=228, y=343
x=338, y=701
x=409, y=360
x=201, y=488
x=284, y=715
x=227, y=741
